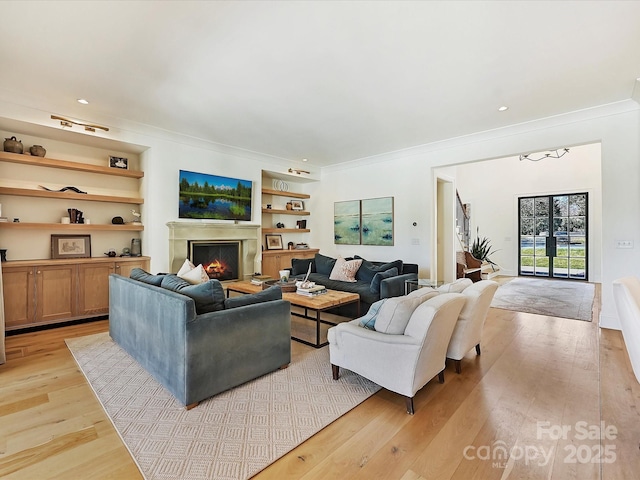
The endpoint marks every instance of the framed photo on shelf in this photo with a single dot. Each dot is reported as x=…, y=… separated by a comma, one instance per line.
x=274, y=242
x=70, y=246
x=119, y=162
x=297, y=205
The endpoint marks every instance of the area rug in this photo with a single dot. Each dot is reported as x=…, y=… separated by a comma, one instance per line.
x=555, y=298
x=233, y=435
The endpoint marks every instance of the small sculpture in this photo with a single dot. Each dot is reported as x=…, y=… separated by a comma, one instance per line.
x=136, y=217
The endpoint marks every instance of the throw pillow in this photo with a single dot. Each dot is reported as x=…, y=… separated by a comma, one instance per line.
x=187, y=266
x=146, y=277
x=267, y=295
x=395, y=313
x=345, y=270
x=195, y=276
x=378, y=277
x=324, y=264
x=208, y=297
x=369, y=269
x=300, y=266
x=368, y=321
x=457, y=286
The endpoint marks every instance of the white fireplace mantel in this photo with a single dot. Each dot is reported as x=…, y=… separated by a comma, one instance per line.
x=248, y=235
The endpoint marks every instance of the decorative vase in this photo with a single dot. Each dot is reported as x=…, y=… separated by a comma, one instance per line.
x=289, y=206
x=38, y=151
x=13, y=145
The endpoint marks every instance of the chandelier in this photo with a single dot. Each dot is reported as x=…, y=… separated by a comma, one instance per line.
x=549, y=154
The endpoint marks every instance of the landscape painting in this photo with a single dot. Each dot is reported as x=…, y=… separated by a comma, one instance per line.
x=206, y=196
x=346, y=222
x=377, y=221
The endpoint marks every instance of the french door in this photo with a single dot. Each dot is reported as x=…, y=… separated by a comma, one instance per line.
x=553, y=236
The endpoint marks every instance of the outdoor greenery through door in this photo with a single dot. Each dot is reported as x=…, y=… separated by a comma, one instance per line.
x=553, y=236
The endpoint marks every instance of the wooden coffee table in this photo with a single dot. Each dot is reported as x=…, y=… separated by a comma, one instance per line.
x=317, y=304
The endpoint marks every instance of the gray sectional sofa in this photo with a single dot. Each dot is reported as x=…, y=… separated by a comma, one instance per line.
x=374, y=279
x=191, y=339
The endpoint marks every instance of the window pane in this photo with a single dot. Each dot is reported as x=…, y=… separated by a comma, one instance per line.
x=526, y=226
x=577, y=225
x=526, y=245
x=578, y=247
x=526, y=207
x=540, y=246
x=560, y=206
x=578, y=205
x=542, y=207
x=542, y=226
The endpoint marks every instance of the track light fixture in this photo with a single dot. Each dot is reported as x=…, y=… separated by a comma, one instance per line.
x=549, y=154
x=65, y=122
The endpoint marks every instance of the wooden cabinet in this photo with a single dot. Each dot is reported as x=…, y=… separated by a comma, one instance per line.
x=276, y=260
x=51, y=291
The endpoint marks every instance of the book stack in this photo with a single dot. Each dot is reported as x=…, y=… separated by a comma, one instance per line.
x=259, y=279
x=312, y=291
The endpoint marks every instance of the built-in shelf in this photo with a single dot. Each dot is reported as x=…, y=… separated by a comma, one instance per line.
x=67, y=165
x=280, y=193
x=285, y=230
x=73, y=226
x=28, y=192
x=284, y=212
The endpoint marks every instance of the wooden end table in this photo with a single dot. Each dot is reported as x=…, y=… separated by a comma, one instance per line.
x=317, y=304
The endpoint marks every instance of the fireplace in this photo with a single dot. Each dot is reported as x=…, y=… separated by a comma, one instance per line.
x=247, y=235
x=220, y=259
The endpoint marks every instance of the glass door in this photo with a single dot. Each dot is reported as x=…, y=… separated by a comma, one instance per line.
x=553, y=236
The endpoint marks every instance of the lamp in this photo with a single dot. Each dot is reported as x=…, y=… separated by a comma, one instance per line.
x=65, y=122
x=549, y=154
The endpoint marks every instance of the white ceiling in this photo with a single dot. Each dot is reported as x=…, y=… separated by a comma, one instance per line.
x=328, y=81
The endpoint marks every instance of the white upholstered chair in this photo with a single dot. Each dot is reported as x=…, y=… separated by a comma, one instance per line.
x=468, y=330
x=626, y=295
x=401, y=362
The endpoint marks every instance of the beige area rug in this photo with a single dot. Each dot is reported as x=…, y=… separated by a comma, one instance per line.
x=233, y=435
x=555, y=298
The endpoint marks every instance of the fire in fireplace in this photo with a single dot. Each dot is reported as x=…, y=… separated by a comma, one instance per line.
x=220, y=259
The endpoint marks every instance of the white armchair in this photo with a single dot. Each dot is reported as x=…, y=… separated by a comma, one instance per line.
x=402, y=363
x=468, y=328
x=626, y=295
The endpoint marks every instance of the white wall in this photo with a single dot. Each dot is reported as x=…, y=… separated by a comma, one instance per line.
x=492, y=187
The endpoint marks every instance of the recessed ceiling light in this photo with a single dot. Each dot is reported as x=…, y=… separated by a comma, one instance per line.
x=503, y=108
x=83, y=101
x=305, y=160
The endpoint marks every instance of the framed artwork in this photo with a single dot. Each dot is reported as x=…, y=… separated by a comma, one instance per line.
x=346, y=222
x=377, y=221
x=70, y=246
x=274, y=242
x=119, y=162
x=297, y=205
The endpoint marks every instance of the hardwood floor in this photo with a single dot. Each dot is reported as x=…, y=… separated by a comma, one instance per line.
x=536, y=376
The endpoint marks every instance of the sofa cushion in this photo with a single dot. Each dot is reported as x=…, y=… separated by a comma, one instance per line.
x=423, y=293
x=345, y=270
x=361, y=288
x=395, y=313
x=300, y=266
x=457, y=286
x=146, y=277
x=267, y=295
x=369, y=319
x=378, y=277
x=324, y=264
x=368, y=269
x=208, y=296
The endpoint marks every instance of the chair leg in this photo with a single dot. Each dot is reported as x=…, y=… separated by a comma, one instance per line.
x=478, y=349
x=458, y=365
x=441, y=377
x=335, y=370
x=409, y=403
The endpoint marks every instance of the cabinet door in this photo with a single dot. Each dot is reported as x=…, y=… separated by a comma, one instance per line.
x=93, y=288
x=124, y=268
x=19, y=296
x=271, y=265
x=55, y=292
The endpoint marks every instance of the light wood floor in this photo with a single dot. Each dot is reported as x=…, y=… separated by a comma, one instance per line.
x=532, y=369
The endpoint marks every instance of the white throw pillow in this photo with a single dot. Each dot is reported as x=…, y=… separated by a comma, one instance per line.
x=196, y=276
x=345, y=270
x=456, y=286
x=187, y=266
x=395, y=313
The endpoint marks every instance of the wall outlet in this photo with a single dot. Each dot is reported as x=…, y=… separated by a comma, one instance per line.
x=624, y=243
x=415, y=241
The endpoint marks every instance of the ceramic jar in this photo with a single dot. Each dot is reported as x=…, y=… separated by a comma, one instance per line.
x=12, y=145
x=38, y=151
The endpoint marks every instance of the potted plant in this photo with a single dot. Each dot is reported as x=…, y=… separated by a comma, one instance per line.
x=481, y=249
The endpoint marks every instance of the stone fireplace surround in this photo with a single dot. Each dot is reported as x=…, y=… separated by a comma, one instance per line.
x=248, y=235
